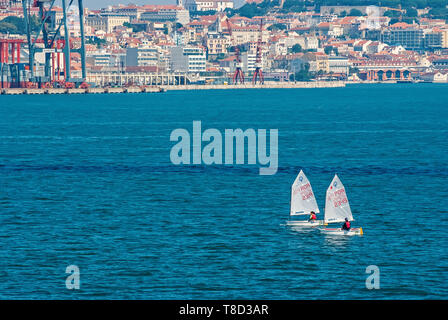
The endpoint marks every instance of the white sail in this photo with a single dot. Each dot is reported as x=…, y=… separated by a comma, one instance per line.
x=302, y=197
x=337, y=207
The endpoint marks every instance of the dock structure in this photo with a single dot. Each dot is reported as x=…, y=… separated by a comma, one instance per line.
x=53, y=91
x=163, y=88
x=137, y=78
x=265, y=85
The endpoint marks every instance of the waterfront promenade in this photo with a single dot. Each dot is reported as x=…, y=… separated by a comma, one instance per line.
x=270, y=85
x=154, y=89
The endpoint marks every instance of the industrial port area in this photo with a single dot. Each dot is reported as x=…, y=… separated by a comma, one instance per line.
x=63, y=47
x=46, y=41
x=55, y=76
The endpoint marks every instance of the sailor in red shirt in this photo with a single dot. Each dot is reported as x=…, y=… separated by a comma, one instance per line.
x=346, y=225
x=312, y=216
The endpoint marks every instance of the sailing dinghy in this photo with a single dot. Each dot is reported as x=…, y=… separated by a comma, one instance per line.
x=337, y=208
x=303, y=202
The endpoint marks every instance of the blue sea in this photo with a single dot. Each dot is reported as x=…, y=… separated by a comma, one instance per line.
x=87, y=180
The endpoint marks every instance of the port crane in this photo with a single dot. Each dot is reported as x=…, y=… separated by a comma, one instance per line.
x=258, y=73
x=44, y=37
x=238, y=75
x=54, y=43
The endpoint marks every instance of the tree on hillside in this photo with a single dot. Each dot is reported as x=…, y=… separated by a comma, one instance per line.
x=411, y=12
x=392, y=14
x=277, y=26
x=303, y=75
x=329, y=49
x=355, y=13
x=296, y=48
x=6, y=27
x=16, y=25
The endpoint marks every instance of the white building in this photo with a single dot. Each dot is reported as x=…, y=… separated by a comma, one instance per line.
x=188, y=59
x=106, y=22
x=338, y=64
x=248, y=59
x=436, y=76
x=167, y=13
x=105, y=60
x=142, y=56
x=99, y=59
x=206, y=5
x=132, y=11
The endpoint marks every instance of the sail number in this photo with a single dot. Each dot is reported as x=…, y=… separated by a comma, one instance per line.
x=306, y=192
x=339, y=198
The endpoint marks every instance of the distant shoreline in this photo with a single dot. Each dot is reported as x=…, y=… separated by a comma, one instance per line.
x=266, y=85
x=164, y=88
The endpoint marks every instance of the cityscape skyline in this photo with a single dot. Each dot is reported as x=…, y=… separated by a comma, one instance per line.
x=96, y=4
x=191, y=44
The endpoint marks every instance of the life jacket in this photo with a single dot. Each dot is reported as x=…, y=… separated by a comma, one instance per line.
x=347, y=224
x=313, y=217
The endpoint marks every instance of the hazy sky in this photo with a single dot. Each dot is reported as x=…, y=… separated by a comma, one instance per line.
x=95, y=4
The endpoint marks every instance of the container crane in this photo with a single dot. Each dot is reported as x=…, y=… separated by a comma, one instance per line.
x=54, y=43
x=238, y=75
x=258, y=73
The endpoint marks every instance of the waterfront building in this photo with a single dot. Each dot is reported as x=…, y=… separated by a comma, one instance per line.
x=338, y=64
x=188, y=59
x=444, y=33
x=217, y=43
x=433, y=40
x=409, y=36
x=440, y=63
x=434, y=76
x=99, y=59
x=105, y=60
x=143, y=56
x=249, y=61
x=318, y=61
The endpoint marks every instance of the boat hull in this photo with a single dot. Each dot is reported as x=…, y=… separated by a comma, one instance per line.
x=314, y=223
x=340, y=232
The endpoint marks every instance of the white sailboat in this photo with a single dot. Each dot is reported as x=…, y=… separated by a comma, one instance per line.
x=303, y=202
x=337, y=208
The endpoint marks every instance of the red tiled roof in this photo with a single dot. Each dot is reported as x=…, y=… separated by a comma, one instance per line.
x=400, y=25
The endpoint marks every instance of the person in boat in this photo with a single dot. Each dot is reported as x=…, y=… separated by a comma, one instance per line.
x=312, y=216
x=346, y=225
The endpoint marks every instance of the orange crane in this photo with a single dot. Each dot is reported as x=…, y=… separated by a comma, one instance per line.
x=238, y=75
x=258, y=74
